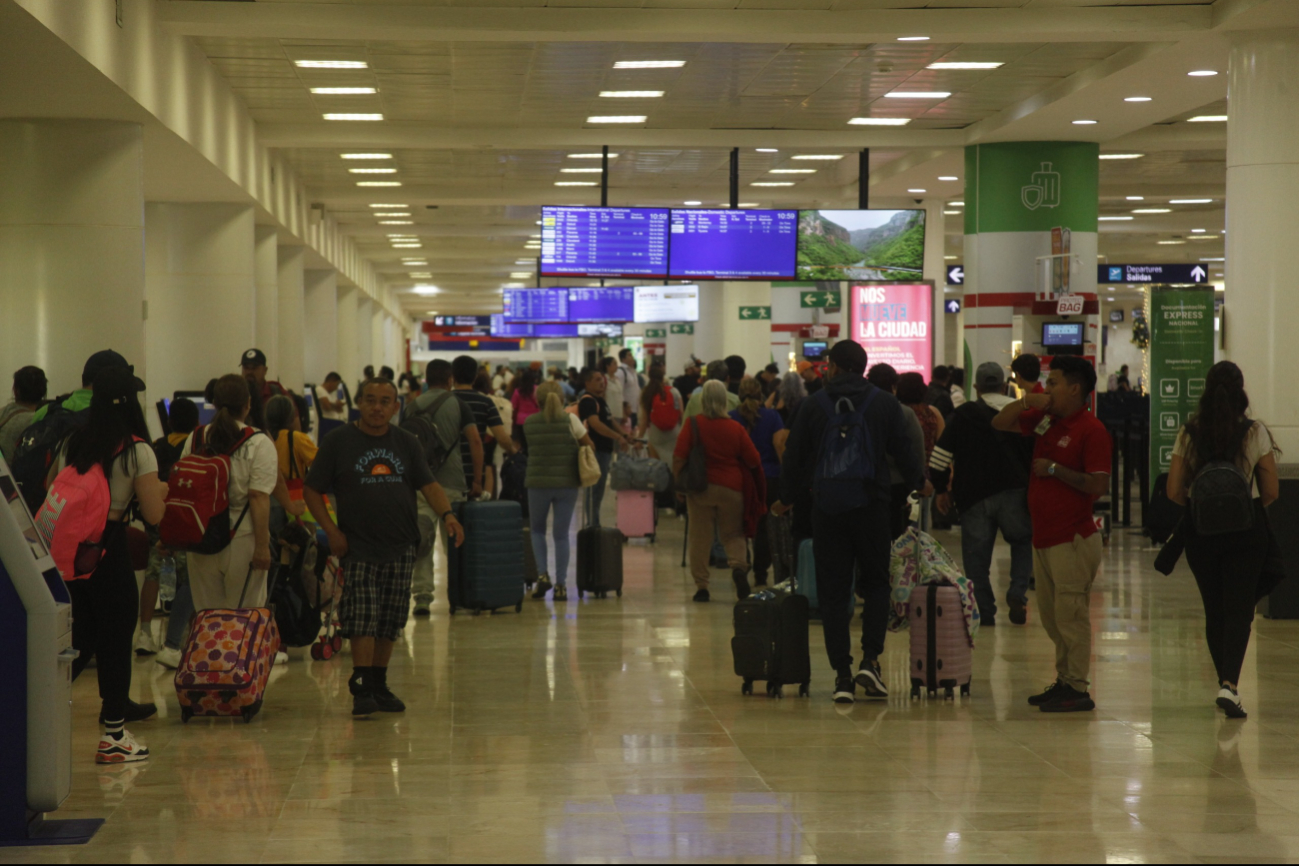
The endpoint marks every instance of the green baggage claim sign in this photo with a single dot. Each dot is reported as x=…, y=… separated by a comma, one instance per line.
x=1181, y=353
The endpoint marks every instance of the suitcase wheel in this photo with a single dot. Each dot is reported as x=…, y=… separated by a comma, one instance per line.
x=453, y=610
x=186, y=713
x=933, y=693
x=747, y=687
x=316, y=650
x=337, y=643
x=965, y=690
x=653, y=537
x=805, y=690
x=948, y=694
x=580, y=594
x=915, y=693
x=774, y=690
x=327, y=651
x=619, y=591
x=518, y=608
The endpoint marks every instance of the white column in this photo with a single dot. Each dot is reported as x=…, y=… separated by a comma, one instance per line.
x=378, y=348
x=71, y=246
x=363, y=334
x=320, y=326
x=1262, y=211
x=709, y=336
x=935, y=270
x=266, y=268
x=199, y=281
x=291, y=352
x=350, y=359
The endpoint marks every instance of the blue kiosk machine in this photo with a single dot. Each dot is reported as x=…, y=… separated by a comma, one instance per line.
x=36, y=690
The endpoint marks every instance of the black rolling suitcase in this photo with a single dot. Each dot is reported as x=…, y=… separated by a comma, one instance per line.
x=599, y=560
x=770, y=642
x=486, y=572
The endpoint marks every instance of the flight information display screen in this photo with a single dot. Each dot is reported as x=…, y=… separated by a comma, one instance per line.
x=661, y=304
x=596, y=305
x=535, y=305
x=734, y=244
x=604, y=242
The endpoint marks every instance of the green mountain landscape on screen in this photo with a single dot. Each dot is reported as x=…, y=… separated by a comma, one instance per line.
x=892, y=251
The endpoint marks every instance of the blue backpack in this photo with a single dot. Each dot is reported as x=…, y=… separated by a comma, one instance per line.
x=846, y=463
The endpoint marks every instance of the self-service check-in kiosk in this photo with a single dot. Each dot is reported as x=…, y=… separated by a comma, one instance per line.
x=36, y=690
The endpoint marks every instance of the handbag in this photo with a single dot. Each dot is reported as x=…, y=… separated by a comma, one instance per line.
x=588, y=468
x=694, y=475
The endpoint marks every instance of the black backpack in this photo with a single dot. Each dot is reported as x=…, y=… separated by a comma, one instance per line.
x=39, y=447
x=298, y=620
x=167, y=455
x=1222, y=498
x=420, y=423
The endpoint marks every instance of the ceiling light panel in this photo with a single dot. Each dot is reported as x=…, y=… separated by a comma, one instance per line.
x=917, y=94
x=967, y=65
x=631, y=94
x=346, y=116
x=1122, y=155
x=372, y=170
x=819, y=156
x=331, y=64
x=879, y=121
x=591, y=156
x=366, y=155
x=617, y=118
x=344, y=91
x=649, y=64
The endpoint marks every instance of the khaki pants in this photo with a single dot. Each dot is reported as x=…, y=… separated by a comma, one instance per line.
x=719, y=509
x=1065, y=574
x=217, y=579
x=431, y=528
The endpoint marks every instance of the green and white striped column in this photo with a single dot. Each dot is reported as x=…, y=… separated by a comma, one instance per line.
x=1015, y=193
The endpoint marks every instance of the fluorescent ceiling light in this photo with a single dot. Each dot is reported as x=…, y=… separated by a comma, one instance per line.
x=768, y=183
x=1190, y=201
x=631, y=94
x=366, y=155
x=822, y=156
x=582, y=170
x=1122, y=155
x=397, y=214
x=1205, y=237
x=402, y=235
x=917, y=190
x=1085, y=122
x=591, y=156
x=792, y=171
x=1113, y=219
x=1219, y=259
x=378, y=183
x=1170, y=243
x=918, y=94
x=948, y=177
x=967, y=65
x=1197, y=231
x=748, y=204
x=396, y=222
x=769, y=150
x=426, y=290
x=1208, y=118
x=617, y=118
x=951, y=258
x=406, y=246
x=389, y=205
x=957, y=203
x=344, y=91
x=372, y=170
x=1202, y=73
x=913, y=38
x=520, y=275
x=953, y=212
x=1136, y=99
x=353, y=116
x=649, y=64
x=1153, y=210
x=576, y=183
x=1136, y=198
x=692, y=203
x=523, y=262
x=427, y=275
x=332, y=64
x=879, y=121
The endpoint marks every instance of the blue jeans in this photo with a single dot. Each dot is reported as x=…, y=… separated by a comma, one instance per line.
x=540, y=500
x=1006, y=511
x=604, y=458
x=182, y=611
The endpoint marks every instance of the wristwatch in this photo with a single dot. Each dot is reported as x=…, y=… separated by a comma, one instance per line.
x=1051, y=470
x=443, y=517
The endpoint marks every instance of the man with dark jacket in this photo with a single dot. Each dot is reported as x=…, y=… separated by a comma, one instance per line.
x=991, y=491
x=850, y=508
x=940, y=391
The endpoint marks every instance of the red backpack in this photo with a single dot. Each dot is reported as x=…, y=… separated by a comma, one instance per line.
x=73, y=520
x=664, y=413
x=197, y=518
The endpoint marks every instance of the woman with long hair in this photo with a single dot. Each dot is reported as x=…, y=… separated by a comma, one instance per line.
x=1227, y=566
x=764, y=427
x=105, y=604
x=662, y=432
x=295, y=450
x=788, y=397
x=524, y=403
x=553, y=482
x=217, y=580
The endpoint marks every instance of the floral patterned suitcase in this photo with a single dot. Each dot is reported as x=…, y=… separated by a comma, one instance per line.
x=226, y=663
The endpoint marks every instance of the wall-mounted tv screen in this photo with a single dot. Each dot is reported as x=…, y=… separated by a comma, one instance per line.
x=530, y=306
x=814, y=350
x=604, y=242
x=1062, y=334
x=600, y=304
x=861, y=244
x=659, y=304
x=733, y=244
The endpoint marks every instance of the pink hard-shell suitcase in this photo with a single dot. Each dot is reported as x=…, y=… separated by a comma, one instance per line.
x=637, y=517
x=940, y=647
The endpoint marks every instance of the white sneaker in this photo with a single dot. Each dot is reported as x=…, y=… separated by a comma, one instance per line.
x=1229, y=701
x=144, y=642
x=120, y=751
x=168, y=658
x=281, y=658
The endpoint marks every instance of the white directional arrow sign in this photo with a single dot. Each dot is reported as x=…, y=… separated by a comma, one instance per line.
x=953, y=306
x=1198, y=274
x=956, y=276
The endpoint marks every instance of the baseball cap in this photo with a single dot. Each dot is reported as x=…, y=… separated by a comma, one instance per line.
x=989, y=376
x=117, y=383
x=804, y=366
x=253, y=358
x=106, y=359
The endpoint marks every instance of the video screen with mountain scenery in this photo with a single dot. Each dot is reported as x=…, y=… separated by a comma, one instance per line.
x=861, y=244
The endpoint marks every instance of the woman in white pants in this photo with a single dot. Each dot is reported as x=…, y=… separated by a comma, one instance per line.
x=217, y=580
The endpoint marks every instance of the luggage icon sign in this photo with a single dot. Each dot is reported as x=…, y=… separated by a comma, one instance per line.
x=1043, y=191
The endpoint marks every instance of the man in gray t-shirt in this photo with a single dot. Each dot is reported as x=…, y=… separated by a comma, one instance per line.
x=451, y=420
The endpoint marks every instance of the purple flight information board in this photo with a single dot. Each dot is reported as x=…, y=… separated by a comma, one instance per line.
x=734, y=244
x=501, y=329
x=596, y=305
x=604, y=242
x=535, y=305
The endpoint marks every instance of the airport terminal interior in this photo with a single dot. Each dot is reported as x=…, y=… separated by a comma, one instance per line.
x=340, y=187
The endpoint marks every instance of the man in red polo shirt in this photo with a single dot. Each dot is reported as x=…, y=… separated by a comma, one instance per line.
x=1071, y=468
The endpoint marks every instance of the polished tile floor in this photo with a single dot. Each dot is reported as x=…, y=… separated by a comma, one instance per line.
x=615, y=730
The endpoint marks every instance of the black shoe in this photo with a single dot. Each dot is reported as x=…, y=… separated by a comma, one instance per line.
x=1229, y=702
x=1032, y=583
x=871, y=679
x=543, y=586
x=1018, y=613
x=136, y=712
x=1047, y=694
x=364, y=704
x=702, y=596
x=385, y=700
x=741, y=578
x=987, y=623
x=845, y=690
x=1069, y=700
x=421, y=608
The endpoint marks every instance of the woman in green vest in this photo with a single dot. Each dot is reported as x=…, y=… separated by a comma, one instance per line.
x=553, y=438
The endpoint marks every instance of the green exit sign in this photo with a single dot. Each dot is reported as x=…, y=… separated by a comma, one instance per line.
x=818, y=299
x=656, y=332
x=682, y=329
x=754, y=313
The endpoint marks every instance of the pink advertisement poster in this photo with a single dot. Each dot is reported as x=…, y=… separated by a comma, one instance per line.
x=895, y=322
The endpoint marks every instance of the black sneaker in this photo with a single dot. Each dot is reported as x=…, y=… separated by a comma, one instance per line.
x=1067, y=699
x=543, y=586
x=702, y=596
x=1047, y=694
x=385, y=700
x=871, y=679
x=1230, y=703
x=136, y=712
x=741, y=578
x=364, y=704
x=1018, y=613
x=845, y=690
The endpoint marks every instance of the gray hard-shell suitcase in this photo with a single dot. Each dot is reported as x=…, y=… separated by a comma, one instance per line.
x=486, y=572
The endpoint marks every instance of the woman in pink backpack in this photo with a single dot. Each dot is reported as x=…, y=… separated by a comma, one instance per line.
x=105, y=602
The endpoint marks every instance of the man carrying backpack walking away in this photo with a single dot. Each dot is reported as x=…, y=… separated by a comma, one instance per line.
x=1071, y=468
x=839, y=447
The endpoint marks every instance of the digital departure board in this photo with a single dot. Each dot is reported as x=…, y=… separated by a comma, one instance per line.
x=734, y=244
x=595, y=305
x=535, y=305
x=604, y=242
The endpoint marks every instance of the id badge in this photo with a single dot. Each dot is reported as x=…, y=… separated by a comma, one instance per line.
x=1044, y=426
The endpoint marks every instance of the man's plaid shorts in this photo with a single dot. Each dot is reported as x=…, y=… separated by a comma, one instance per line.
x=376, y=597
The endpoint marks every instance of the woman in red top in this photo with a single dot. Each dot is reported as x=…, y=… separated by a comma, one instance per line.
x=524, y=401
x=720, y=508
